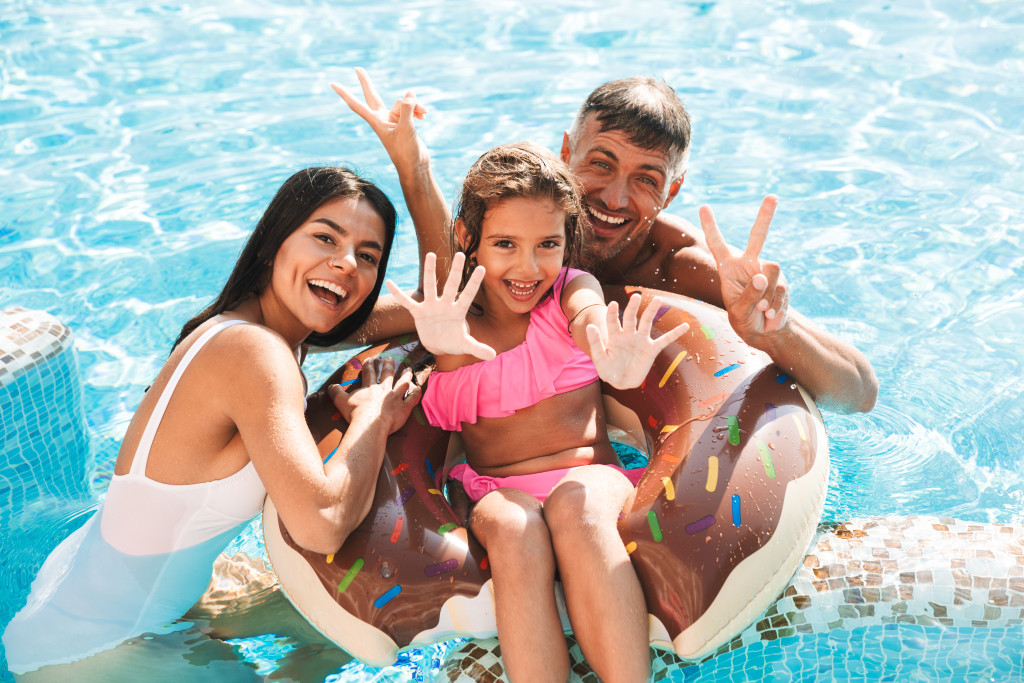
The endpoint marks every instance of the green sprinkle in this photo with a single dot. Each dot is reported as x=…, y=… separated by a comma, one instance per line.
x=356, y=566
x=766, y=459
x=652, y=520
x=708, y=331
x=445, y=528
x=734, y=430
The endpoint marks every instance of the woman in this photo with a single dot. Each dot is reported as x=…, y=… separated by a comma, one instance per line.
x=222, y=427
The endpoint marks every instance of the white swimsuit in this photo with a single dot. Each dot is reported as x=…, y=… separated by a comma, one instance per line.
x=138, y=564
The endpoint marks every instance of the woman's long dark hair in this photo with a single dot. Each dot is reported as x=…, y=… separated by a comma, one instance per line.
x=293, y=204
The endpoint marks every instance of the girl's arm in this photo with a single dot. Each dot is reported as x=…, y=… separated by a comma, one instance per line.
x=623, y=352
x=441, y=320
x=319, y=504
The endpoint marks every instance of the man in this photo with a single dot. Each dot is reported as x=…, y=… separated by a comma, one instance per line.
x=629, y=146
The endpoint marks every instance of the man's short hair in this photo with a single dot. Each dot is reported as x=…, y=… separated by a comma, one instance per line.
x=647, y=111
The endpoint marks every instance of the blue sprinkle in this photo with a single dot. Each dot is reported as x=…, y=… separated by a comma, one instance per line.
x=736, y=510
x=387, y=597
x=430, y=469
x=782, y=379
x=331, y=455
x=727, y=369
x=351, y=381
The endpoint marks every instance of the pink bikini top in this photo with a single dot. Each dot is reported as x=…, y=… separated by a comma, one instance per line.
x=547, y=363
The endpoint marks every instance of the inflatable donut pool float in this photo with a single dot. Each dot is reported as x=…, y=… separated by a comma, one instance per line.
x=729, y=501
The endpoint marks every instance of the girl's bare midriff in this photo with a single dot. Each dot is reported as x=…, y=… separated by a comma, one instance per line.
x=566, y=430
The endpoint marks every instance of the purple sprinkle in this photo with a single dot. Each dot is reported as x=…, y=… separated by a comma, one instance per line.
x=356, y=363
x=442, y=567
x=700, y=525
x=662, y=311
x=770, y=411
x=406, y=495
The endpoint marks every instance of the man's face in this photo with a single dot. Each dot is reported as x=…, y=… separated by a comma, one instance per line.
x=624, y=186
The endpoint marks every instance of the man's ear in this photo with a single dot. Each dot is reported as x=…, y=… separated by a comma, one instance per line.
x=673, y=190
x=566, y=147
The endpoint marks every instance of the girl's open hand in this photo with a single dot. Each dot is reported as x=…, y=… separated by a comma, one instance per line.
x=441, y=320
x=623, y=353
x=381, y=394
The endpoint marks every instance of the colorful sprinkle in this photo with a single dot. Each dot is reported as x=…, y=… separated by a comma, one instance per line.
x=670, y=458
x=700, y=525
x=441, y=567
x=401, y=468
x=712, y=483
x=652, y=521
x=709, y=333
x=769, y=409
x=350, y=381
x=736, y=518
x=350, y=575
x=405, y=340
x=430, y=469
x=734, y=430
x=727, y=369
x=672, y=368
x=484, y=562
x=356, y=363
x=717, y=399
x=331, y=454
x=434, y=492
x=670, y=491
x=336, y=417
x=330, y=558
x=651, y=421
x=800, y=427
x=668, y=429
x=630, y=547
x=407, y=493
x=397, y=531
x=445, y=528
x=782, y=379
x=661, y=311
x=766, y=459
x=387, y=597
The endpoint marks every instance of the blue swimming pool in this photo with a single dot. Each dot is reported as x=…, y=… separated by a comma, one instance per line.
x=140, y=142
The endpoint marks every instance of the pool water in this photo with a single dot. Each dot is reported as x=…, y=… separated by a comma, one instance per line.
x=141, y=141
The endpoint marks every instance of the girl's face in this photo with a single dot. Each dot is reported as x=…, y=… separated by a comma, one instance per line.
x=325, y=269
x=521, y=246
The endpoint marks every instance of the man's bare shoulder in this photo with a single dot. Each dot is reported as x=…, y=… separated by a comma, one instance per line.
x=679, y=261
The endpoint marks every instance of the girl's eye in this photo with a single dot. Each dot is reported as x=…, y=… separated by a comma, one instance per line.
x=324, y=237
x=503, y=244
x=550, y=244
x=369, y=258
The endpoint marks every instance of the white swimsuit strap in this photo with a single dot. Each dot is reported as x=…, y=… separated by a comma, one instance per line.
x=146, y=442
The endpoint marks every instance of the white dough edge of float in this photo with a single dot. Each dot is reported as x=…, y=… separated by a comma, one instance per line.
x=466, y=617
x=473, y=617
x=733, y=609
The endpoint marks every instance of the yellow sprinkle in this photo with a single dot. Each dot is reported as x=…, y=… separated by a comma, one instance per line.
x=671, y=368
x=330, y=558
x=670, y=491
x=434, y=491
x=668, y=429
x=712, y=474
x=630, y=547
x=800, y=428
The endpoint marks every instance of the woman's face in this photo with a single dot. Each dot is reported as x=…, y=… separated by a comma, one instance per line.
x=325, y=269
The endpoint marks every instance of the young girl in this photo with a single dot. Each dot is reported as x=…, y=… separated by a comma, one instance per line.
x=221, y=428
x=545, y=479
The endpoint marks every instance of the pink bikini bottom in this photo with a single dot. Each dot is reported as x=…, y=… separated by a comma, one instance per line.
x=538, y=485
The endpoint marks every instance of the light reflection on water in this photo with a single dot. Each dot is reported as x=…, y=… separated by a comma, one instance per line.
x=142, y=141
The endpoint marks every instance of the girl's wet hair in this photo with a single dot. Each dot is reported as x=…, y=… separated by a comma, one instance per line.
x=294, y=203
x=526, y=170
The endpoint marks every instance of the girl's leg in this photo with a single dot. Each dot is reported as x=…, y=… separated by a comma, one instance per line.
x=510, y=525
x=602, y=593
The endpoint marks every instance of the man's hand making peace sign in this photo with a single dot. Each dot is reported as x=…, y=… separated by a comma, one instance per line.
x=754, y=291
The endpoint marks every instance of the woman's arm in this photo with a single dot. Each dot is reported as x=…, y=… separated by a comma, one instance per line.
x=319, y=504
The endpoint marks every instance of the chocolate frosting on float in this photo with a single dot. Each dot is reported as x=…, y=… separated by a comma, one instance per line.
x=411, y=539
x=733, y=406
x=728, y=434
